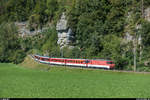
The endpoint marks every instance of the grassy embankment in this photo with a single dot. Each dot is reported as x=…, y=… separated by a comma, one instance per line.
x=37, y=81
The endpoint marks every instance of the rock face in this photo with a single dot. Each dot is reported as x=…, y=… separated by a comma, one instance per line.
x=129, y=37
x=65, y=34
x=24, y=31
x=147, y=14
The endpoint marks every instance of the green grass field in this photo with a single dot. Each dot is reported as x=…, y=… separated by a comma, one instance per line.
x=64, y=82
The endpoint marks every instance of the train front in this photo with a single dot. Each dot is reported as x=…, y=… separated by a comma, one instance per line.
x=111, y=64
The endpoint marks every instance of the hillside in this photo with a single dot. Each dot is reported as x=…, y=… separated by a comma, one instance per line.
x=29, y=62
x=108, y=29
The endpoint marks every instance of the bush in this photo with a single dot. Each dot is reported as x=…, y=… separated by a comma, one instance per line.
x=10, y=47
x=34, y=51
x=143, y=69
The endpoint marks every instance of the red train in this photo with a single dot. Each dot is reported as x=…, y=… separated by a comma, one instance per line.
x=98, y=63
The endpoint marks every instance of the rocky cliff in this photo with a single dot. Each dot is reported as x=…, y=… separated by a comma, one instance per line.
x=24, y=30
x=65, y=34
x=128, y=37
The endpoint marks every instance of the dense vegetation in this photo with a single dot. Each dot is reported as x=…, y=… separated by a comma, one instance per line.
x=99, y=27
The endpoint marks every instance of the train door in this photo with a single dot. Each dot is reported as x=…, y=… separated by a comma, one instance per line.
x=86, y=62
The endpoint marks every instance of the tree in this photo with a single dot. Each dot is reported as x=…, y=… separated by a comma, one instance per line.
x=112, y=50
x=10, y=48
x=50, y=46
x=52, y=7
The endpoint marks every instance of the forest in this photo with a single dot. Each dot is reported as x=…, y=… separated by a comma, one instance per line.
x=100, y=28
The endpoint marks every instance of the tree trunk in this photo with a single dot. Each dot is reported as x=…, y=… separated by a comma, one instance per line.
x=142, y=16
x=142, y=8
x=140, y=43
x=134, y=51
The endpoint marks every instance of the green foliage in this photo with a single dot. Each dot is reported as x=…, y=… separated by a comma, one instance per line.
x=70, y=52
x=143, y=69
x=91, y=20
x=94, y=22
x=23, y=10
x=34, y=22
x=19, y=10
x=145, y=31
x=98, y=25
x=50, y=47
x=52, y=6
x=10, y=48
x=34, y=51
x=34, y=42
x=112, y=50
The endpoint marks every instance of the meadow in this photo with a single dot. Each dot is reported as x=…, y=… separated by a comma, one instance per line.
x=17, y=81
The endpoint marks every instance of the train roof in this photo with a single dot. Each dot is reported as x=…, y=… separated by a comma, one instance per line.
x=73, y=58
x=43, y=56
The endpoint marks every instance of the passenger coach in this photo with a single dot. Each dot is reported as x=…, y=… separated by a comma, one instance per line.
x=97, y=63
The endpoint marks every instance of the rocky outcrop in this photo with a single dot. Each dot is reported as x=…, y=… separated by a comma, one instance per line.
x=24, y=31
x=147, y=14
x=129, y=37
x=65, y=34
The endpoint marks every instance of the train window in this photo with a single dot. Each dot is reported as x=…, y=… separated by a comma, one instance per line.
x=54, y=60
x=109, y=62
x=78, y=61
x=37, y=57
x=45, y=59
x=87, y=61
x=70, y=61
x=60, y=60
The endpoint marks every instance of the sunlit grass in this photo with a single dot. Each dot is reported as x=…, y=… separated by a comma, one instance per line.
x=64, y=82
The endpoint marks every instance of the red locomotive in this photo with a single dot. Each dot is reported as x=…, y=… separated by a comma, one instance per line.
x=98, y=63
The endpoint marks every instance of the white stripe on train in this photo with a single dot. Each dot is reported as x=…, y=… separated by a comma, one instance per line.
x=89, y=65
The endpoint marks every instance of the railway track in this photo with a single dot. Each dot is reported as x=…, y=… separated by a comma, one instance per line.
x=112, y=70
x=129, y=71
